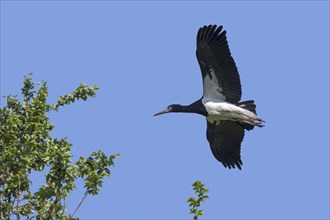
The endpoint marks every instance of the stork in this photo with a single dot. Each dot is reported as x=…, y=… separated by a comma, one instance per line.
x=226, y=116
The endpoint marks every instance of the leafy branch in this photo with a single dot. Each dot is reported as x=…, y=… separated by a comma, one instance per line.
x=194, y=203
x=26, y=146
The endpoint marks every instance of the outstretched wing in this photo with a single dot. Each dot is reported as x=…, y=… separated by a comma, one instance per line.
x=221, y=80
x=225, y=138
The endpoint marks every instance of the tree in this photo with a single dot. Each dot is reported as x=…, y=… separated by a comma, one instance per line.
x=194, y=203
x=26, y=146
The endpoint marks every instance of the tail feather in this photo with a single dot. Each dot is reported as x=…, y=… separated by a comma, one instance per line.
x=249, y=105
x=246, y=126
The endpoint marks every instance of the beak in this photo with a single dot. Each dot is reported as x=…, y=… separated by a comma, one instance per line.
x=167, y=110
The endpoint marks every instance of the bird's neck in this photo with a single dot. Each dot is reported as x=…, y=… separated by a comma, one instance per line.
x=196, y=107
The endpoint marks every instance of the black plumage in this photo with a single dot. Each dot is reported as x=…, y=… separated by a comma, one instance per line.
x=227, y=117
x=213, y=53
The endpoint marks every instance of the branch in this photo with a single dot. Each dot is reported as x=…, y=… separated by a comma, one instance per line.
x=82, y=200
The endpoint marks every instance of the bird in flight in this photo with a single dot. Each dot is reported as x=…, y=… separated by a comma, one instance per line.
x=226, y=116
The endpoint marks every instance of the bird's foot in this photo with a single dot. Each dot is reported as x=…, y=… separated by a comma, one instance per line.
x=259, y=122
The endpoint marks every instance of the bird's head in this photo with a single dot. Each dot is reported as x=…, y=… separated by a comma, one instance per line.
x=170, y=108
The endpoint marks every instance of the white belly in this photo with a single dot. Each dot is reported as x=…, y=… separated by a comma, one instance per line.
x=227, y=111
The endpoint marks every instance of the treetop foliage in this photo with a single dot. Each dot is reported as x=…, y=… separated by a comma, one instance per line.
x=26, y=146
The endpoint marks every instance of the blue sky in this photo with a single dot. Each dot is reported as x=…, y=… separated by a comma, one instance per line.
x=142, y=54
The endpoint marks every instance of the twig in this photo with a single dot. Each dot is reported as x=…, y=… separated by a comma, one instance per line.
x=82, y=200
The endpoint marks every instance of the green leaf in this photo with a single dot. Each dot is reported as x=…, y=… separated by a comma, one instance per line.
x=95, y=87
x=27, y=147
x=200, y=213
x=45, y=192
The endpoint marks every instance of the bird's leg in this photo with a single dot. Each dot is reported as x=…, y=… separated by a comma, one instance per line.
x=259, y=125
x=258, y=122
x=259, y=119
x=254, y=121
